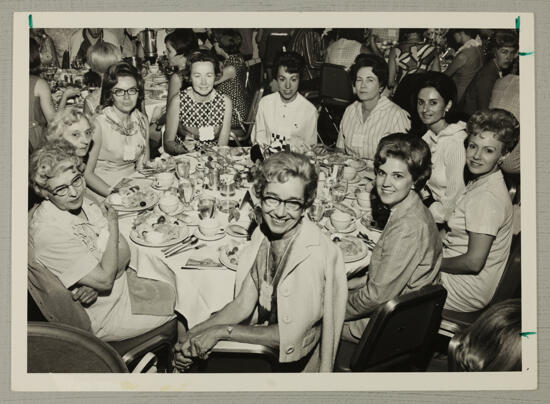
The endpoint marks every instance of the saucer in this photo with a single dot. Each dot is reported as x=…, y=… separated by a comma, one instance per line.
x=352, y=227
x=180, y=209
x=203, y=237
x=158, y=188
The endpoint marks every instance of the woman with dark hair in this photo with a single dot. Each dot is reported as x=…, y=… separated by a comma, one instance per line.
x=408, y=254
x=493, y=342
x=121, y=135
x=503, y=50
x=286, y=117
x=468, y=59
x=372, y=116
x=435, y=100
x=180, y=43
x=412, y=55
x=233, y=79
x=41, y=106
x=290, y=282
x=202, y=113
x=477, y=246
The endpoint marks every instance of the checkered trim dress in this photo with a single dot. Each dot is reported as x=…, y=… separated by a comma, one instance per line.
x=196, y=115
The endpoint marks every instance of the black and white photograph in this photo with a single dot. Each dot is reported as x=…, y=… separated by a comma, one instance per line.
x=299, y=197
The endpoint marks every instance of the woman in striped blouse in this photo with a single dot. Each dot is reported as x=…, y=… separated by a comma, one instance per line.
x=373, y=116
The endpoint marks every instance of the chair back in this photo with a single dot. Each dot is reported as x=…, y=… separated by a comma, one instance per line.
x=251, y=119
x=401, y=332
x=336, y=87
x=510, y=281
x=59, y=348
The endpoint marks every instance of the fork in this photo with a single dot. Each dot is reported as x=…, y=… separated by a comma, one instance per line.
x=187, y=248
x=189, y=239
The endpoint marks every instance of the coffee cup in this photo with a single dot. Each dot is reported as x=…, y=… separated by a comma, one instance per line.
x=209, y=226
x=340, y=220
x=363, y=199
x=164, y=180
x=169, y=203
x=349, y=172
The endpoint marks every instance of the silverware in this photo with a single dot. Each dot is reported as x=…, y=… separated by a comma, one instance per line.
x=184, y=249
x=196, y=267
x=191, y=240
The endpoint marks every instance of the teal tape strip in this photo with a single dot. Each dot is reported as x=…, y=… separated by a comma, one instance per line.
x=30, y=20
x=517, y=23
x=526, y=334
x=526, y=53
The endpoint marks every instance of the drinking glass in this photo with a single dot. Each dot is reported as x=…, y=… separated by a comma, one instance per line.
x=182, y=169
x=206, y=207
x=316, y=211
x=185, y=191
x=339, y=190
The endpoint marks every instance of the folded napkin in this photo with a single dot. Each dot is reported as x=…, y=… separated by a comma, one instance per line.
x=205, y=262
x=151, y=297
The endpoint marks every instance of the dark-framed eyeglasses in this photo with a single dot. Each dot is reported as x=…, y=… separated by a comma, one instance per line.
x=63, y=190
x=272, y=202
x=119, y=92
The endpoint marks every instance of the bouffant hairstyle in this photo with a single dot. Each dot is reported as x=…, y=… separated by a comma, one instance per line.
x=292, y=61
x=500, y=122
x=35, y=66
x=183, y=40
x=110, y=80
x=101, y=55
x=414, y=151
x=378, y=64
x=50, y=160
x=63, y=118
x=492, y=342
x=280, y=166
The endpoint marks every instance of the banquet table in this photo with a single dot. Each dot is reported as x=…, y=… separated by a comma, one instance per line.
x=200, y=292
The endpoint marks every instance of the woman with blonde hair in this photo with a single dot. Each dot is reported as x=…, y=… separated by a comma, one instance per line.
x=74, y=126
x=100, y=56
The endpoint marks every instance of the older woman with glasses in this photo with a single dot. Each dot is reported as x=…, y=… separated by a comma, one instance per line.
x=291, y=279
x=121, y=136
x=73, y=126
x=73, y=238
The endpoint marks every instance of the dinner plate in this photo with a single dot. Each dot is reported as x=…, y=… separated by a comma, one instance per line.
x=352, y=227
x=136, y=238
x=204, y=237
x=360, y=247
x=224, y=259
x=189, y=217
x=359, y=165
x=236, y=233
x=151, y=199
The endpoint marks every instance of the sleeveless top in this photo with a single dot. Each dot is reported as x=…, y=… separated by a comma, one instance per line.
x=202, y=120
x=235, y=89
x=415, y=60
x=37, y=120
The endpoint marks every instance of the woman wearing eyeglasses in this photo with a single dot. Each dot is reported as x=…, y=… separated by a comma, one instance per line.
x=80, y=244
x=290, y=280
x=121, y=136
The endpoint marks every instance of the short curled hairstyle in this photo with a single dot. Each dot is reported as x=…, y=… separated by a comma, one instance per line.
x=183, y=40
x=412, y=150
x=50, y=160
x=292, y=61
x=110, y=80
x=492, y=342
x=280, y=166
x=101, y=55
x=500, y=122
x=230, y=40
x=35, y=66
x=444, y=85
x=63, y=118
x=378, y=64
x=203, y=55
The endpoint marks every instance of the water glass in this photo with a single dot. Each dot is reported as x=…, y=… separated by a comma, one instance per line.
x=206, y=207
x=339, y=191
x=316, y=211
x=185, y=191
x=182, y=169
